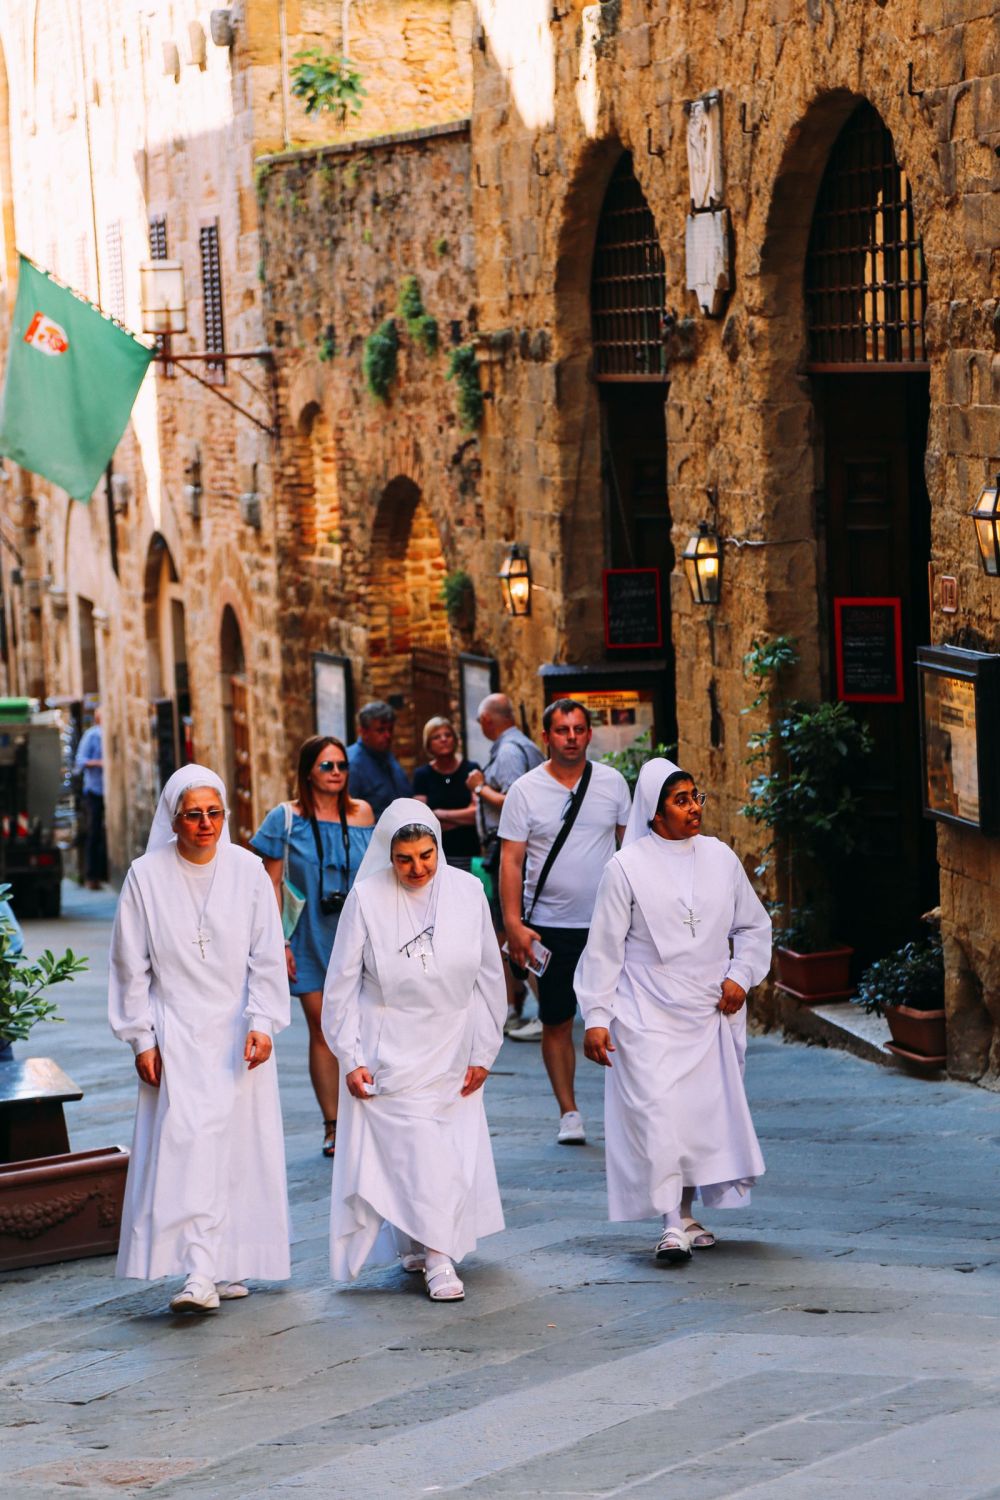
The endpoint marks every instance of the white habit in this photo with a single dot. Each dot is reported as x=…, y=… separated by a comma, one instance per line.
x=206, y=1192
x=416, y=1010
x=673, y=919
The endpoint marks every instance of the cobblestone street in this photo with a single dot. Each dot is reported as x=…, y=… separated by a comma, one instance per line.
x=840, y=1341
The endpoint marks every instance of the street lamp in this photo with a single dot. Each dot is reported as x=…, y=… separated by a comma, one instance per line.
x=986, y=514
x=702, y=559
x=515, y=581
x=164, y=310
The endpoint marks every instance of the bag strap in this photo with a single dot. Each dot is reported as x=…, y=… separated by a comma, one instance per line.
x=289, y=815
x=347, y=849
x=576, y=802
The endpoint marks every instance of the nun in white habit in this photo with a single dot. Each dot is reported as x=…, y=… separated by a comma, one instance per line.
x=413, y=1007
x=198, y=989
x=677, y=939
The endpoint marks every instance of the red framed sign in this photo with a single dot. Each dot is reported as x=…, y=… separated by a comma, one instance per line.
x=632, y=617
x=868, y=639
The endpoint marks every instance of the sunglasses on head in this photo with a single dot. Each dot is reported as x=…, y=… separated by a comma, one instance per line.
x=331, y=765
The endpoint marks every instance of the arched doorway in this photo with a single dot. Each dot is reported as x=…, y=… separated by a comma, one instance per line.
x=235, y=695
x=865, y=293
x=627, y=303
x=167, y=662
x=409, y=644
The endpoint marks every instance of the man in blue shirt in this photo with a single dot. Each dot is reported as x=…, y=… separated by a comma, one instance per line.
x=90, y=760
x=376, y=775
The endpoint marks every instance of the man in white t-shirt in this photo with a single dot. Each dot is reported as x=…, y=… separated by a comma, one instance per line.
x=533, y=813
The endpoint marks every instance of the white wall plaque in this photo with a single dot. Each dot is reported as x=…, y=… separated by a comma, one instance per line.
x=706, y=242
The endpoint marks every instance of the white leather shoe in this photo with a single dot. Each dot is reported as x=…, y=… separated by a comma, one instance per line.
x=196, y=1295
x=230, y=1291
x=571, y=1132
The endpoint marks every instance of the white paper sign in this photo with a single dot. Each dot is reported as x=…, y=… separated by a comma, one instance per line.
x=704, y=151
x=706, y=242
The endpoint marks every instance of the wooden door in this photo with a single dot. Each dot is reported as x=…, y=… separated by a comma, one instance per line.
x=242, y=763
x=878, y=544
x=431, y=697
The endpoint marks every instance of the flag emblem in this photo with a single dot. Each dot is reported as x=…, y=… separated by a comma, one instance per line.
x=46, y=335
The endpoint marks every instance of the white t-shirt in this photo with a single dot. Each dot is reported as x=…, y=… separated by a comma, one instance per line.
x=533, y=812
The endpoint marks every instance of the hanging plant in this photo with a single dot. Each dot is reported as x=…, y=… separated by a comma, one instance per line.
x=420, y=325
x=459, y=598
x=378, y=362
x=463, y=368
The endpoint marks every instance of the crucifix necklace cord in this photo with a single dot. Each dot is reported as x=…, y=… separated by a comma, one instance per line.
x=202, y=936
x=691, y=921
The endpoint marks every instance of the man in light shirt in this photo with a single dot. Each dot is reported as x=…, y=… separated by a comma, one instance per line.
x=560, y=914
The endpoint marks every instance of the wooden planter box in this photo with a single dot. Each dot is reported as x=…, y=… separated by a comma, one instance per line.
x=61, y=1207
x=917, y=1035
x=815, y=977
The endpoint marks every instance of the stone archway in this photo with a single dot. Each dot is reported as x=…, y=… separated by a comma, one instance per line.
x=410, y=660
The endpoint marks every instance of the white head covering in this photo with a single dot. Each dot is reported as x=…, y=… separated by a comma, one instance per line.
x=162, y=831
x=378, y=855
x=651, y=778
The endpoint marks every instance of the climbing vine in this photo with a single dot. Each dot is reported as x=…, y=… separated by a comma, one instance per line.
x=420, y=324
x=380, y=357
x=463, y=368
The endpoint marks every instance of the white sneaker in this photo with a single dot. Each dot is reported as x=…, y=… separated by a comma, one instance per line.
x=229, y=1291
x=196, y=1295
x=513, y=1022
x=531, y=1031
x=571, y=1131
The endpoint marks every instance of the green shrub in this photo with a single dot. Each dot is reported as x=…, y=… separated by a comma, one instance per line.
x=380, y=358
x=22, y=981
x=913, y=975
x=463, y=368
x=631, y=760
x=327, y=84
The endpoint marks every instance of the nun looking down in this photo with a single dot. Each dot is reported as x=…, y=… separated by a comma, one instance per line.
x=413, y=1008
x=198, y=989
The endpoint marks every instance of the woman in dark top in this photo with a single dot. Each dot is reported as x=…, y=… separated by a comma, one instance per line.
x=442, y=786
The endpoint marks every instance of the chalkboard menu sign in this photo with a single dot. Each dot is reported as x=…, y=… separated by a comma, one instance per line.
x=869, y=642
x=632, y=608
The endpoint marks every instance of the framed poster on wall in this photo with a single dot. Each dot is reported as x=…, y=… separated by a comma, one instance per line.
x=333, y=698
x=623, y=702
x=868, y=637
x=959, y=721
x=478, y=676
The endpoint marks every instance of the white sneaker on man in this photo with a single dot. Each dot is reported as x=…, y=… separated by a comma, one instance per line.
x=530, y=1031
x=196, y=1295
x=571, y=1132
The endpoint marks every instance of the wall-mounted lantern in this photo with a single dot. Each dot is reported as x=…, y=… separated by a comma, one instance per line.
x=515, y=581
x=161, y=284
x=986, y=515
x=702, y=559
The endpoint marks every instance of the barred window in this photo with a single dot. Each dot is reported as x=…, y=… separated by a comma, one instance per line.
x=211, y=290
x=628, y=285
x=158, y=251
x=866, y=286
x=116, y=271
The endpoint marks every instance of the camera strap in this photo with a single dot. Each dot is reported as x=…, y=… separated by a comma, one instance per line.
x=347, y=850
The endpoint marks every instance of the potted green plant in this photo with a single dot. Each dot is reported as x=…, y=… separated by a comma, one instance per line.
x=23, y=982
x=458, y=595
x=805, y=762
x=907, y=987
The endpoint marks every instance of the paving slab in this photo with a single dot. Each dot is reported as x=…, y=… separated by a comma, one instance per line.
x=841, y=1340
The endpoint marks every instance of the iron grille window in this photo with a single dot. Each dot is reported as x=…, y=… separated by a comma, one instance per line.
x=628, y=285
x=116, y=270
x=211, y=291
x=866, y=287
x=158, y=251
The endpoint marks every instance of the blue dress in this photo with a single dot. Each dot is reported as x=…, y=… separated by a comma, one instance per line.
x=312, y=940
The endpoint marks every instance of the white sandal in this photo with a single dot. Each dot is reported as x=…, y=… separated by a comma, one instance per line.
x=443, y=1284
x=700, y=1237
x=412, y=1261
x=674, y=1247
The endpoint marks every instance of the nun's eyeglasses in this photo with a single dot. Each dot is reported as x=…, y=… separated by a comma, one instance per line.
x=685, y=799
x=195, y=816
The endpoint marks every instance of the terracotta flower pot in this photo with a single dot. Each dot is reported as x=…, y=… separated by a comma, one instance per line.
x=61, y=1207
x=815, y=976
x=921, y=1032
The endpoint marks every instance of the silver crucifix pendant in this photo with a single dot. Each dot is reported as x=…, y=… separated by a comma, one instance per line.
x=201, y=940
x=691, y=920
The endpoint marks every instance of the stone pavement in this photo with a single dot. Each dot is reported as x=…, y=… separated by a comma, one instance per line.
x=841, y=1341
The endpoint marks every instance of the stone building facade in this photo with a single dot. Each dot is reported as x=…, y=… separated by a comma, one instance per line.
x=830, y=469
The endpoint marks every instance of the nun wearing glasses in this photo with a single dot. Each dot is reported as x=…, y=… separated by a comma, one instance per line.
x=198, y=989
x=414, y=1007
x=677, y=939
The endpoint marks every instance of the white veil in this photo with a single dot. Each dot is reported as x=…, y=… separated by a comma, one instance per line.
x=378, y=855
x=651, y=778
x=182, y=781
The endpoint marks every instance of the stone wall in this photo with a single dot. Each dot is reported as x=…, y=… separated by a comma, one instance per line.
x=396, y=480
x=555, y=102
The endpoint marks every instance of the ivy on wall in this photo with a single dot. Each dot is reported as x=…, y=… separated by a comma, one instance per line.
x=380, y=359
x=420, y=324
x=463, y=368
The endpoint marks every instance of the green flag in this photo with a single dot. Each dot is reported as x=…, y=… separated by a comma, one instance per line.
x=72, y=378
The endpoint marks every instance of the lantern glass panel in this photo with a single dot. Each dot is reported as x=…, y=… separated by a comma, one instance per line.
x=164, y=309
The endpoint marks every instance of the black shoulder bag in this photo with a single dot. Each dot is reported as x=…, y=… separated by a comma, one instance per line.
x=328, y=905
